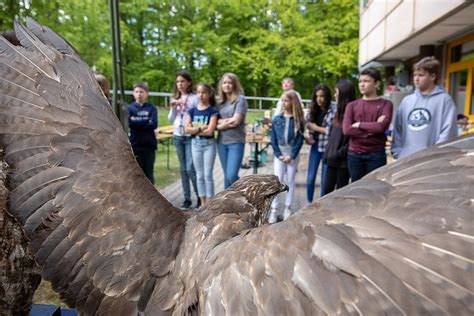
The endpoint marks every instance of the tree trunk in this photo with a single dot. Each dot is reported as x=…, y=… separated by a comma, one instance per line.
x=18, y=272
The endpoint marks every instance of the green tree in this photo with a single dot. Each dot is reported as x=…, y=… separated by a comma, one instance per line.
x=262, y=41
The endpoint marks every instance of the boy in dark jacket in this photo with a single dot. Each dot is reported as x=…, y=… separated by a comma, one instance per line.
x=143, y=120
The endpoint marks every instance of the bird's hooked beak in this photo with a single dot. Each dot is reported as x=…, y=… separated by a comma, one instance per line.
x=284, y=187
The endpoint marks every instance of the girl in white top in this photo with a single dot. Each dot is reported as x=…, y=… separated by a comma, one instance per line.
x=183, y=100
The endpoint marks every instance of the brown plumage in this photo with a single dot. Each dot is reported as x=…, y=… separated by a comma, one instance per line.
x=398, y=241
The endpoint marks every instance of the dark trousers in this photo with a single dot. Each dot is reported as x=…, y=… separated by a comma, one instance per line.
x=336, y=178
x=146, y=161
x=361, y=164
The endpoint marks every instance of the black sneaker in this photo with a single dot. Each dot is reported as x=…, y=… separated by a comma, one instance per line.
x=186, y=204
x=198, y=204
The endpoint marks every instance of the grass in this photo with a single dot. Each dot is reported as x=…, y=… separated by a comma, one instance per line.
x=163, y=175
x=46, y=295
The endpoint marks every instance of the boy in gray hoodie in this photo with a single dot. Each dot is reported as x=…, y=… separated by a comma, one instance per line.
x=426, y=117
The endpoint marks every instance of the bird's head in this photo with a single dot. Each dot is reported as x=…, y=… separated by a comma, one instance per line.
x=260, y=190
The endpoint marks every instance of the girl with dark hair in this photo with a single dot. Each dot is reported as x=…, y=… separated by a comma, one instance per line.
x=182, y=101
x=201, y=124
x=319, y=120
x=335, y=156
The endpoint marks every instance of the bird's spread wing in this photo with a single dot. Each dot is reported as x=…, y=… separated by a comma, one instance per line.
x=400, y=241
x=97, y=226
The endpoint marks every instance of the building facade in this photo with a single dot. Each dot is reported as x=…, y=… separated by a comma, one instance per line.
x=395, y=34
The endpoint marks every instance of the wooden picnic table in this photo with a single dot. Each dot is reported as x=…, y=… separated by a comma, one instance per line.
x=260, y=142
x=163, y=136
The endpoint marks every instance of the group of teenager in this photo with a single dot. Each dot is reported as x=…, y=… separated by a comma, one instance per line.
x=347, y=136
x=197, y=113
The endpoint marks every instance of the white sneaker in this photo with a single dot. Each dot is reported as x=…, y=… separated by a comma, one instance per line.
x=272, y=218
x=286, y=213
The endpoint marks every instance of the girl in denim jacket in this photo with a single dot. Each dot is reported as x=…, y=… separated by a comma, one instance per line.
x=286, y=140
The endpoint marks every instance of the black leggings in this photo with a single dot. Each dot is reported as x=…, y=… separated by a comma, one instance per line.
x=336, y=178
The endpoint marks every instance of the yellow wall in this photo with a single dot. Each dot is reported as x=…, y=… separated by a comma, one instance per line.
x=464, y=65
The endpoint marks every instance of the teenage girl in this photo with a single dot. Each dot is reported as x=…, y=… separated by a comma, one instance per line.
x=201, y=124
x=335, y=156
x=286, y=140
x=182, y=101
x=231, y=126
x=320, y=118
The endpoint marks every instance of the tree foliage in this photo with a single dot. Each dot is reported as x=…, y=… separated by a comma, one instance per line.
x=262, y=41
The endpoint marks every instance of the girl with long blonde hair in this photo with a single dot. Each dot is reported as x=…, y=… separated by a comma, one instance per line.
x=232, y=108
x=287, y=140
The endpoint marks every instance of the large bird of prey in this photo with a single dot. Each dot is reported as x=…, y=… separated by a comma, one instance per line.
x=400, y=241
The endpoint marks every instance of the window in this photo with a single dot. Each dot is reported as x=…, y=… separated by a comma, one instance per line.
x=460, y=74
x=363, y=4
x=458, y=83
x=462, y=52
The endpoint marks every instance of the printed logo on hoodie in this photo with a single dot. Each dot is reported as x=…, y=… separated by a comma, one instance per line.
x=419, y=119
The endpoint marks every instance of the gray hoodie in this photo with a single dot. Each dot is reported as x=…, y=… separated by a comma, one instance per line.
x=422, y=121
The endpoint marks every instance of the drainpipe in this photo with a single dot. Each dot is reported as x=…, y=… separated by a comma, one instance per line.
x=117, y=82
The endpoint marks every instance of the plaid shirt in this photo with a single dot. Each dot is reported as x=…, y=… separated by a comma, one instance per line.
x=323, y=138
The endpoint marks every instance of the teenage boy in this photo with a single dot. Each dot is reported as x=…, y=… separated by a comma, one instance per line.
x=365, y=122
x=143, y=120
x=426, y=117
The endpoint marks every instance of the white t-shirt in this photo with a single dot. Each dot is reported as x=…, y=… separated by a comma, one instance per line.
x=179, y=114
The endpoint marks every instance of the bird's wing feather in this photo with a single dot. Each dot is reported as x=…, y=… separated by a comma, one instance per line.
x=399, y=241
x=98, y=227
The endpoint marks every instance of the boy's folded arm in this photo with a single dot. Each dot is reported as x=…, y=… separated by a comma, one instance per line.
x=354, y=132
x=137, y=121
x=374, y=127
x=382, y=123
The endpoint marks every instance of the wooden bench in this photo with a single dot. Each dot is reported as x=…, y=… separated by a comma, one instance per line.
x=164, y=132
x=163, y=136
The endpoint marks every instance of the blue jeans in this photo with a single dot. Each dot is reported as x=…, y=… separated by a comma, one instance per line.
x=315, y=157
x=231, y=156
x=361, y=164
x=186, y=168
x=146, y=161
x=204, y=155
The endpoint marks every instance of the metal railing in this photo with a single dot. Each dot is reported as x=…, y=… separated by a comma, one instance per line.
x=255, y=103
